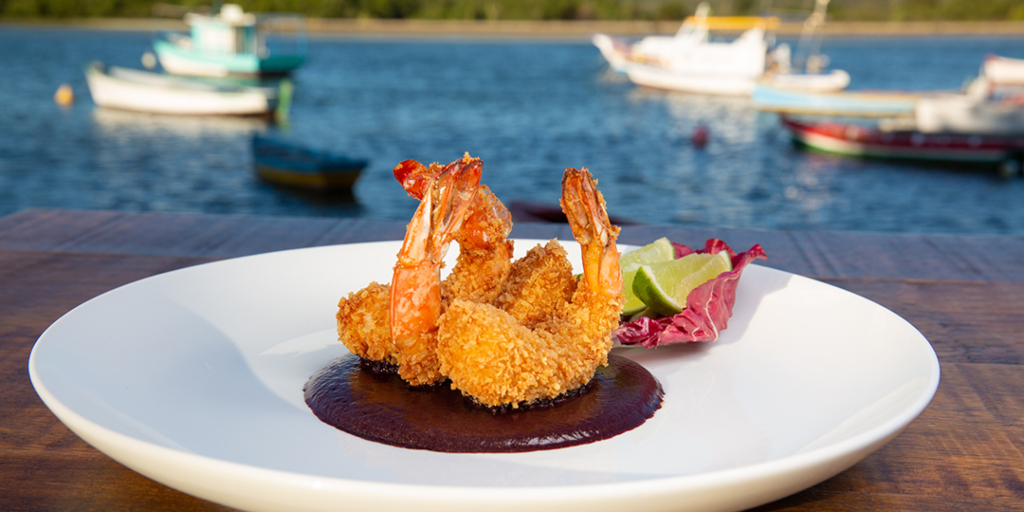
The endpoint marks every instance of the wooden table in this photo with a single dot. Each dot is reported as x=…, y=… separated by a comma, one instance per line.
x=965, y=293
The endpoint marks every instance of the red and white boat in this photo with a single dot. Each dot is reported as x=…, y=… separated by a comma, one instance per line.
x=873, y=142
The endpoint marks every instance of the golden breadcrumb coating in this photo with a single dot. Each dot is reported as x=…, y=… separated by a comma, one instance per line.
x=363, y=324
x=494, y=358
x=478, y=274
x=538, y=283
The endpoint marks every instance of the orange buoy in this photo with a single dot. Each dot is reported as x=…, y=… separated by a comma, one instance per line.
x=64, y=95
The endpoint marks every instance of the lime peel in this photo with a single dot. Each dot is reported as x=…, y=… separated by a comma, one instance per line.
x=657, y=251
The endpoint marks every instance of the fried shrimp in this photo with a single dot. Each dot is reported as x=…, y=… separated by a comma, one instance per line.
x=364, y=325
x=485, y=253
x=415, y=304
x=484, y=263
x=527, y=347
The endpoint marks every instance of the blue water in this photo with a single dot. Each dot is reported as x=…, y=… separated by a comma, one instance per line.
x=528, y=109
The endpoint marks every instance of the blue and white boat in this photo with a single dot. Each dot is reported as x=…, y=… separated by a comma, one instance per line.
x=232, y=42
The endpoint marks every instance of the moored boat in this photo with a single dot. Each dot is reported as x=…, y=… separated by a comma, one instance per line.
x=979, y=110
x=290, y=165
x=230, y=42
x=691, y=61
x=851, y=139
x=144, y=91
x=692, y=36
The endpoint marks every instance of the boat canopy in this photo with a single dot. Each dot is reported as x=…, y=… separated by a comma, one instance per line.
x=734, y=23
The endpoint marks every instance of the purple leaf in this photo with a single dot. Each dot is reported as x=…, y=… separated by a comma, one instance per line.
x=708, y=306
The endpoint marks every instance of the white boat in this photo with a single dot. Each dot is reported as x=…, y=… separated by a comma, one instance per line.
x=975, y=112
x=1003, y=70
x=659, y=49
x=730, y=68
x=691, y=61
x=144, y=91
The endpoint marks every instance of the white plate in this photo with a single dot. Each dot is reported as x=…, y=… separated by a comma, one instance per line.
x=194, y=378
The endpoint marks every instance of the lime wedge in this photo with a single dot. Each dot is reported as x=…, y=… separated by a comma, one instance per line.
x=657, y=251
x=664, y=286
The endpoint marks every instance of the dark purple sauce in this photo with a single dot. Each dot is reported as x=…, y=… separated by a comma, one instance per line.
x=358, y=398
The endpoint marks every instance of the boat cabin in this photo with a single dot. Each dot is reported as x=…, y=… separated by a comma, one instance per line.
x=231, y=31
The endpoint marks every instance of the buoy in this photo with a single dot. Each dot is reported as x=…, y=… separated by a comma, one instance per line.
x=700, y=136
x=64, y=95
x=148, y=60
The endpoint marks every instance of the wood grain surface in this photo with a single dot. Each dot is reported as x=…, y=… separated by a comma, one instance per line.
x=965, y=451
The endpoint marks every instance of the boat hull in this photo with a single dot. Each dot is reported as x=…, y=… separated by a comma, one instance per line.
x=324, y=180
x=854, y=140
x=142, y=91
x=659, y=78
x=291, y=166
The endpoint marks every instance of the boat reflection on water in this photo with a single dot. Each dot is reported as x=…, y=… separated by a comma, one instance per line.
x=727, y=119
x=114, y=121
x=206, y=163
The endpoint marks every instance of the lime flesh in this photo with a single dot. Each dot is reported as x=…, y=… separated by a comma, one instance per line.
x=660, y=250
x=664, y=286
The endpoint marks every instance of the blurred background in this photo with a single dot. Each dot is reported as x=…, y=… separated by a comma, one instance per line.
x=525, y=87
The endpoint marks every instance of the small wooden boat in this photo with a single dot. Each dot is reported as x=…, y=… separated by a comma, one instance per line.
x=230, y=42
x=859, y=140
x=144, y=91
x=772, y=98
x=282, y=163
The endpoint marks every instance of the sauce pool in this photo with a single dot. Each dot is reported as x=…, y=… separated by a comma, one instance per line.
x=355, y=397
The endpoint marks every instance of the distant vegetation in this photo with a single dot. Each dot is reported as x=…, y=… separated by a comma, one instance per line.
x=852, y=10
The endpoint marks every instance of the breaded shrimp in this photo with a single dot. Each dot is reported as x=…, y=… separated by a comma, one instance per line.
x=485, y=253
x=537, y=284
x=483, y=265
x=364, y=326
x=415, y=304
x=498, y=359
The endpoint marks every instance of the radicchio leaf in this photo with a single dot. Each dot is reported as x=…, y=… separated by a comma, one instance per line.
x=708, y=306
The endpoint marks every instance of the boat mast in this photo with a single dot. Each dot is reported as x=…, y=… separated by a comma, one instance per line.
x=808, y=56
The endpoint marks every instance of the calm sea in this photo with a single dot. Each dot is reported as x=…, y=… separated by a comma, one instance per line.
x=528, y=109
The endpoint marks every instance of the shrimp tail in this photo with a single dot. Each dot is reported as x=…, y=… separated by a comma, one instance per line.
x=416, y=283
x=587, y=214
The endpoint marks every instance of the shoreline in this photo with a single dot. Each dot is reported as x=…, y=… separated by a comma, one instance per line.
x=538, y=29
